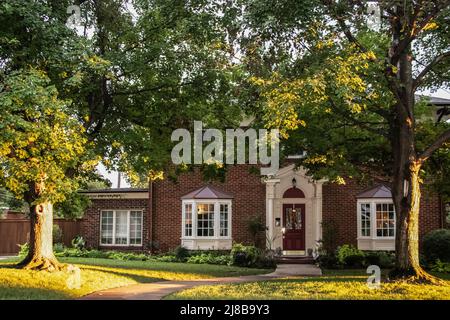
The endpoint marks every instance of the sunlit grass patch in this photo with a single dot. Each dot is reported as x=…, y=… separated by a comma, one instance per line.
x=26, y=284
x=323, y=288
x=100, y=274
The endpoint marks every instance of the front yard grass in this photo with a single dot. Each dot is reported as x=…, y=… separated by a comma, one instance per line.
x=99, y=274
x=334, y=285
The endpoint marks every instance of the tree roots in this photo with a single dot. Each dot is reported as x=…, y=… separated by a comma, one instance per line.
x=40, y=264
x=415, y=276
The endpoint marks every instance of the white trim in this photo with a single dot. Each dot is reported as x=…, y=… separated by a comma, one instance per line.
x=373, y=241
x=118, y=195
x=128, y=211
x=217, y=203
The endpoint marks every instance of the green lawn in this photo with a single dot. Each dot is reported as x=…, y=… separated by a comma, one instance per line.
x=335, y=285
x=99, y=274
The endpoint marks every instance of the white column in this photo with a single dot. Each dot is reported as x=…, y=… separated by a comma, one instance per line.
x=270, y=196
x=318, y=210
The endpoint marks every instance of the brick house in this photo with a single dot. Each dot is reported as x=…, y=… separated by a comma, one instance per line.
x=294, y=208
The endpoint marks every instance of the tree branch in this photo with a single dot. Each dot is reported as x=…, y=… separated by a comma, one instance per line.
x=443, y=138
x=345, y=29
x=415, y=28
x=418, y=81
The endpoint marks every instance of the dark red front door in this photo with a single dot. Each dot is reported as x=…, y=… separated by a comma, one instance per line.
x=294, y=226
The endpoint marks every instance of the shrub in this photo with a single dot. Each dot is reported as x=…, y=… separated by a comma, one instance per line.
x=436, y=245
x=24, y=249
x=167, y=258
x=250, y=256
x=244, y=256
x=209, y=258
x=350, y=256
x=440, y=266
x=126, y=256
x=181, y=253
x=78, y=242
x=57, y=234
x=382, y=259
x=327, y=261
x=58, y=247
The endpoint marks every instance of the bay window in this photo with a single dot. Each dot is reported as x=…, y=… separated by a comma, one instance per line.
x=206, y=219
x=121, y=227
x=376, y=219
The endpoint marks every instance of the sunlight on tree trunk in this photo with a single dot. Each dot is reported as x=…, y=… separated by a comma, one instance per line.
x=407, y=240
x=40, y=255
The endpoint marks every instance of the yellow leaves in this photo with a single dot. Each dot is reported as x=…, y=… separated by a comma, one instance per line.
x=154, y=175
x=339, y=180
x=431, y=26
x=318, y=159
x=116, y=144
x=5, y=149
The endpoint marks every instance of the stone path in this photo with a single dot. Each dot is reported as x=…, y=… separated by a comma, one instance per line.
x=160, y=289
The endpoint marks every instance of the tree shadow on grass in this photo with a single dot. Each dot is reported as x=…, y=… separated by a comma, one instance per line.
x=26, y=293
x=136, y=277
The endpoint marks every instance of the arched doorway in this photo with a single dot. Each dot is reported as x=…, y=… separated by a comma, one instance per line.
x=294, y=223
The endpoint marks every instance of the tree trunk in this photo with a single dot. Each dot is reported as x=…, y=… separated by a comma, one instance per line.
x=407, y=264
x=40, y=255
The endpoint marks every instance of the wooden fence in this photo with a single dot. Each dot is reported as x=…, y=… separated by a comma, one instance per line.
x=14, y=232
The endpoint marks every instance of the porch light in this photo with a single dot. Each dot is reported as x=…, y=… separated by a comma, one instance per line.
x=277, y=222
x=294, y=182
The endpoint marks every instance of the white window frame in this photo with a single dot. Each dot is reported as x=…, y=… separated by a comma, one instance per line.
x=217, y=203
x=373, y=218
x=128, y=211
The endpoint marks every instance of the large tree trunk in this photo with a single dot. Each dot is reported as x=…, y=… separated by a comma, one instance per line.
x=406, y=166
x=407, y=264
x=40, y=255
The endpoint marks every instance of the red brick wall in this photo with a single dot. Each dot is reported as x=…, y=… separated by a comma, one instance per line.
x=249, y=200
x=339, y=210
x=91, y=222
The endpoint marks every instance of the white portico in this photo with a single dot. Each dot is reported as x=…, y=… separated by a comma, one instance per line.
x=293, y=211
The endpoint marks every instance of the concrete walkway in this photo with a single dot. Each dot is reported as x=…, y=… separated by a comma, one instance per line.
x=160, y=289
x=6, y=257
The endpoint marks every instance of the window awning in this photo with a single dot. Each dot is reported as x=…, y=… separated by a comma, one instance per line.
x=380, y=191
x=208, y=192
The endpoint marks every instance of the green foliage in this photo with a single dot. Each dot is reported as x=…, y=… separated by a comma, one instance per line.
x=78, y=242
x=251, y=256
x=383, y=259
x=39, y=139
x=57, y=234
x=436, y=245
x=350, y=256
x=209, y=258
x=24, y=248
x=8, y=200
x=58, y=247
x=181, y=253
x=440, y=266
x=73, y=207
